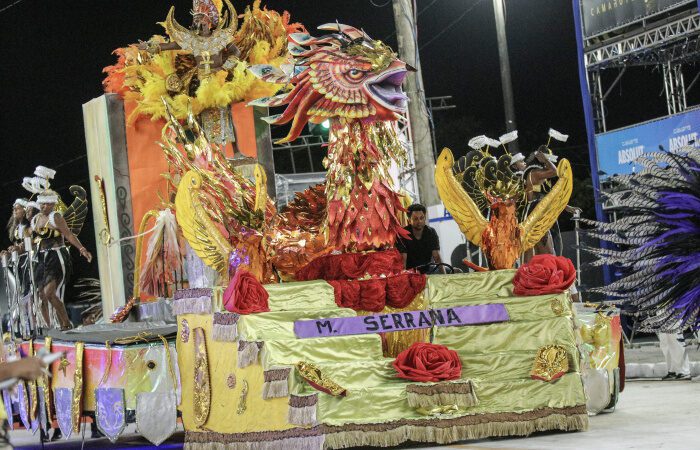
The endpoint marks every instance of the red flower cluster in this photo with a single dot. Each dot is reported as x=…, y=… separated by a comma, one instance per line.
x=348, y=266
x=245, y=294
x=374, y=294
x=428, y=362
x=544, y=274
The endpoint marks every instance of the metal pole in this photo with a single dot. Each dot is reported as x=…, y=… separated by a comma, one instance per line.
x=506, y=83
x=576, y=218
x=418, y=112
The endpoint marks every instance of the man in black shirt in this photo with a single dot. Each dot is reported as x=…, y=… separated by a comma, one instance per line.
x=424, y=245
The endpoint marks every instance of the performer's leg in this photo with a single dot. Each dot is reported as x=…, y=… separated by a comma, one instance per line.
x=50, y=293
x=44, y=307
x=665, y=345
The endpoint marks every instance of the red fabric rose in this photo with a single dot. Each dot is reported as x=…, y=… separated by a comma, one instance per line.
x=428, y=362
x=245, y=294
x=544, y=274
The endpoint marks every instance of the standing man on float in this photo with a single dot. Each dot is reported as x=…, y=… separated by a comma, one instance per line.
x=423, y=247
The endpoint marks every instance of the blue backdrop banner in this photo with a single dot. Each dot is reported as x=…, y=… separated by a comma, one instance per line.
x=616, y=150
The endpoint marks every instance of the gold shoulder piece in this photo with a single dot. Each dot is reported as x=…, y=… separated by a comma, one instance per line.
x=547, y=211
x=457, y=201
x=177, y=32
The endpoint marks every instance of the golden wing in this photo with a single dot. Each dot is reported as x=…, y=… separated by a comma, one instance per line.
x=547, y=211
x=457, y=201
x=199, y=230
x=76, y=213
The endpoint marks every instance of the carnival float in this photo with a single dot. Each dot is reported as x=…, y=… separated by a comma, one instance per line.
x=299, y=327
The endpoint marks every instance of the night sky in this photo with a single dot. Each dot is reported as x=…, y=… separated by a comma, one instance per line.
x=52, y=54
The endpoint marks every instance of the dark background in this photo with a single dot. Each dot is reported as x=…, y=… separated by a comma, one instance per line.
x=52, y=54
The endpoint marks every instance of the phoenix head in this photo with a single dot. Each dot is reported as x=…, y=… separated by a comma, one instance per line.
x=345, y=74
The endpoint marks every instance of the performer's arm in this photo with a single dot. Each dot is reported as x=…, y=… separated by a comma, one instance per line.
x=537, y=176
x=436, y=252
x=156, y=47
x=25, y=368
x=62, y=226
x=233, y=50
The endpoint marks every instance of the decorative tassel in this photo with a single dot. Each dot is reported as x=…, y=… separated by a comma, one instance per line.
x=248, y=353
x=224, y=327
x=459, y=393
x=447, y=431
x=163, y=257
x=192, y=301
x=266, y=440
x=302, y=410
x=275, y=385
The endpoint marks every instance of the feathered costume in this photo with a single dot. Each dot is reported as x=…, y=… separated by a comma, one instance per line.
x=657, y=240
x=147, y=78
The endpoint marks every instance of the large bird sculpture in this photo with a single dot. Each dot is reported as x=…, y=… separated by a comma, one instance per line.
x=486, y=182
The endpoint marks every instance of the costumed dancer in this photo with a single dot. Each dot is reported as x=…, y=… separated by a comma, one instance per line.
x=210, y=41
x=18, y=229
x=535, y=178
x=54, y=261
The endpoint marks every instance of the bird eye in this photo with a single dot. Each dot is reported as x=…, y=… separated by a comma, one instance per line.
x=355, y=74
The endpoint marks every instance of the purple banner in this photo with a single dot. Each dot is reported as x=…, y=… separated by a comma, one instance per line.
x=401, y=321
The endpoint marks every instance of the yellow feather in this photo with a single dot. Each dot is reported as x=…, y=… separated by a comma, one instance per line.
x=547, y=211
x=203, y=236
x=457, y=201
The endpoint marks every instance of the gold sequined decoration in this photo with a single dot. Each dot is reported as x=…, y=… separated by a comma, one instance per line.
x=551, y=362
x=231, y=381
x=557, y=307
x=63, y=365
x=31, y=385
x=379, y=54
x=313, y=374
x=48, y=396
x=173, y=83
x=78, y=386
x=105, y=375
x=202, y=388
x=243, y=398
x=398, y=341
x=105, y=233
